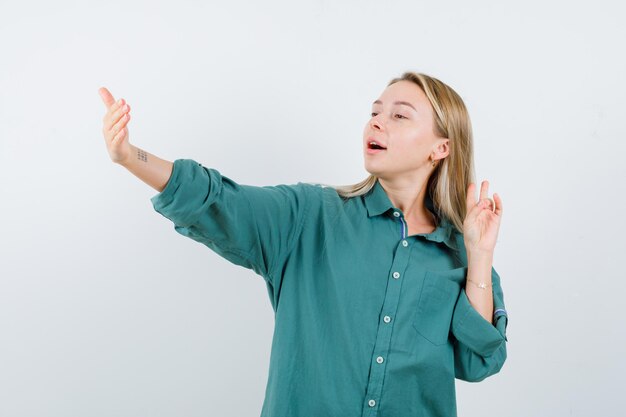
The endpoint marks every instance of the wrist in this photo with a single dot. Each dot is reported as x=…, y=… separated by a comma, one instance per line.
x=479, y=256
x=126, y=163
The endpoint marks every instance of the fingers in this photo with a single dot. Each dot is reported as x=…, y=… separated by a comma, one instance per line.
x=120, y=124
x=498, y=204
x=110, y=117
x=119, y=135
x=117, y=113
x=110, y=114
x=121, y=111
x=471, y=202
x=484, y=195
x=484, y=187
x=106, y=96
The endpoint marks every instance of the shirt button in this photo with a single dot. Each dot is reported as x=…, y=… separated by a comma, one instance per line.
x=405, y=243
x=379, y=359
x=396, y=275
x=387, y=319
x=372, y=403
x=395, y=213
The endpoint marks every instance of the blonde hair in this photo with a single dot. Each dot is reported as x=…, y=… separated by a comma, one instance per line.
x=447, y=184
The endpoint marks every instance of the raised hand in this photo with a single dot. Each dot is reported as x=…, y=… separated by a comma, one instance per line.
x=482, y=221
x=114, y=127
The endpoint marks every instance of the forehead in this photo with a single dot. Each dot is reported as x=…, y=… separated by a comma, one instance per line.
x=405, y=91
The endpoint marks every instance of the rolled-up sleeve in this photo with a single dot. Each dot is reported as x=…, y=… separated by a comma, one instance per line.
x=480, y=345
x=251, y=226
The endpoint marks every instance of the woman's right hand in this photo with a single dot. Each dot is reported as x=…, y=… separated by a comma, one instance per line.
x=114, y=129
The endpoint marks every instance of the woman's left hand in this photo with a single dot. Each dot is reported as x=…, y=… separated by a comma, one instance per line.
x=481, y=224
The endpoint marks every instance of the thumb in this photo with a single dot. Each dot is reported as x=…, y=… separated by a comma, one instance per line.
x=106, y=96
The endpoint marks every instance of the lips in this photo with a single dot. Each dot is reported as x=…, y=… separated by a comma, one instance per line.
x=374, y=144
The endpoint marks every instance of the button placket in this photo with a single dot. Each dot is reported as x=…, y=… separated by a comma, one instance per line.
x=399, y=264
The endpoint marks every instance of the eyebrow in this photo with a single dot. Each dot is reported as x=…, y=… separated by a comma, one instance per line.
x=406, y=103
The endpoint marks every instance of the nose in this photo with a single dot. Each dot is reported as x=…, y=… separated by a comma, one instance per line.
x=375, y=123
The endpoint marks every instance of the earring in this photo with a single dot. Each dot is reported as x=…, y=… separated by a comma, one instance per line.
x=433, y=159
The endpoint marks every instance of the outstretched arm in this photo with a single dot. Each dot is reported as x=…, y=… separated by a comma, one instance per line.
x=252, y=226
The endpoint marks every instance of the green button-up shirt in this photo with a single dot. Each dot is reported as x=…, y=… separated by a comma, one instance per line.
x=368, y=321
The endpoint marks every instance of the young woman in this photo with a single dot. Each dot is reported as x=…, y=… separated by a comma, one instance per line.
x=384, y=292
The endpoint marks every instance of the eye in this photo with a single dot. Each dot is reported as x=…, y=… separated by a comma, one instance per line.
x=401, y=116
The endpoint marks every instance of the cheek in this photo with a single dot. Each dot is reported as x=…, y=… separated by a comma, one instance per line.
x=410, y=150
x=414, y=141
x=408, y=143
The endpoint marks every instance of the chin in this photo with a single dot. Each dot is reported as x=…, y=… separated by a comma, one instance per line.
x=373, y=171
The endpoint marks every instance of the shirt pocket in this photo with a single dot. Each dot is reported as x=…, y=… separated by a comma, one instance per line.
x=433, y=315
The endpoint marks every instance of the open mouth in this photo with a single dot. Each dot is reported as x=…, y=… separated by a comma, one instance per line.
x=374, y=145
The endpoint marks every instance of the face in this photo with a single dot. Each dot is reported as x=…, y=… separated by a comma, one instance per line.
x=405, y=130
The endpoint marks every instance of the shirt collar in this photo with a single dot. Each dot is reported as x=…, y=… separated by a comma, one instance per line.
x=377, y=202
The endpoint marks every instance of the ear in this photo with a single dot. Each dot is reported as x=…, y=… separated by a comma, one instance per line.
x=442, y=148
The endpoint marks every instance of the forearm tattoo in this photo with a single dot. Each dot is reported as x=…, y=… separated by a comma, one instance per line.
x=142, y=155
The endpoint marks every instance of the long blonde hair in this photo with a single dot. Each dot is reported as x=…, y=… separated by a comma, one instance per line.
x=447, y=185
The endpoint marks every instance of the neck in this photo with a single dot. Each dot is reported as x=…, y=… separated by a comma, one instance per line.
x=410, y=198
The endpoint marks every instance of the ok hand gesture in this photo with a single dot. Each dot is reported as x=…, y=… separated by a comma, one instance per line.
x=482, y=221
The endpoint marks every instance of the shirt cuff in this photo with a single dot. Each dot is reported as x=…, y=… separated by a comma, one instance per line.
x=183, y=194
x=471, y=328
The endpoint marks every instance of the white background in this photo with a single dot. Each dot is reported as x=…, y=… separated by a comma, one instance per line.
x=106, y=311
